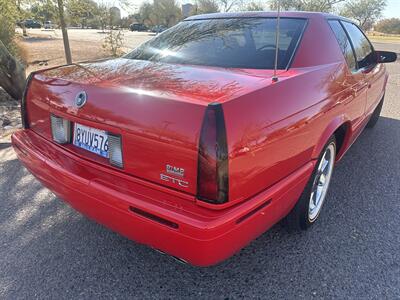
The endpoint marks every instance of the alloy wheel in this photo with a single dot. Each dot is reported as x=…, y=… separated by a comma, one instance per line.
x=321, y=182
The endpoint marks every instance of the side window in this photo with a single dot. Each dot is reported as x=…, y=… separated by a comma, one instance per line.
x=344, y=43
x=362, y=47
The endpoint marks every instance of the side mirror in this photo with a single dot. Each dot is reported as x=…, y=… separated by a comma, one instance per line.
x=385, y=56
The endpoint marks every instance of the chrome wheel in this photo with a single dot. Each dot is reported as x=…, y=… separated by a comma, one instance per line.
x=321, y=182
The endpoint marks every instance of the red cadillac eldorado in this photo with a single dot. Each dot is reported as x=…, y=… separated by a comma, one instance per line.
x=202, y=138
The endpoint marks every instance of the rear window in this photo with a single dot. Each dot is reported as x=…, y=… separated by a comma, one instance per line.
x=229, y=43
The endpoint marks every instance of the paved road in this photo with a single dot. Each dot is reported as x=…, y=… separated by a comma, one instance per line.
x=48, y=250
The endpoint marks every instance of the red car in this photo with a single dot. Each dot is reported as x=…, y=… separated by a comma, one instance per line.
x=190, y=144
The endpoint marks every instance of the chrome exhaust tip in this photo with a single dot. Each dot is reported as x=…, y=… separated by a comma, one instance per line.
x=180, y=260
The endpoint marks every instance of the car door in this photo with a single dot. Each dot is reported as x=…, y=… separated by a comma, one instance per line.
x=366, y=63
x=355, y=80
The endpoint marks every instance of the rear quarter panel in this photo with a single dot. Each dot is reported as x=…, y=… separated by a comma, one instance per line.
x=274, y=131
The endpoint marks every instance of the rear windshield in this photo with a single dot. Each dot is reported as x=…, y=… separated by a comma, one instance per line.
x=229, y=43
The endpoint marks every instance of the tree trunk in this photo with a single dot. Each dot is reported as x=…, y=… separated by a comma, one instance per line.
x=12, y=74
x=67, y=49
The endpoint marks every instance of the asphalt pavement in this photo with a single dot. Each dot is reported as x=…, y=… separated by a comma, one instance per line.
x=48, y=250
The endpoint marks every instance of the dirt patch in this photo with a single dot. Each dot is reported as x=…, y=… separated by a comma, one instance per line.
x=46, y=52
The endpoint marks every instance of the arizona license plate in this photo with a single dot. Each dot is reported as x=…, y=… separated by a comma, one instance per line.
x=91, y=139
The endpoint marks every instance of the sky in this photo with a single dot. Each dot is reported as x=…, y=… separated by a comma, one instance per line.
x=392, y=9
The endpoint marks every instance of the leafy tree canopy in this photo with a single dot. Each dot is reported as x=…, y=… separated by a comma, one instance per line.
x=365, y=12
x=391, y=26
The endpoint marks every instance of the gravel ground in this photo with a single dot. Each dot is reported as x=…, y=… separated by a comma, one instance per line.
x=47, y=250
x=10, y=117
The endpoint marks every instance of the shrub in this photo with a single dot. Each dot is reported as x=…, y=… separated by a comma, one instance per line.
x=8, y=19
x=391, y=26
x=114, y=42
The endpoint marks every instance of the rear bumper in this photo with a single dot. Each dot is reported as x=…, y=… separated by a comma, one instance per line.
x=170, y=222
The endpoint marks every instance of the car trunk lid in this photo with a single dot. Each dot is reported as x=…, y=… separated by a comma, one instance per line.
x=157, y=109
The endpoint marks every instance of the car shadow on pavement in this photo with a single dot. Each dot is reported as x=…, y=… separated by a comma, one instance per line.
x=4, y=145
x=48, y=249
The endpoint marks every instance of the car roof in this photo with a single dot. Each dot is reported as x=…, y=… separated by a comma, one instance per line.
x=266, y=14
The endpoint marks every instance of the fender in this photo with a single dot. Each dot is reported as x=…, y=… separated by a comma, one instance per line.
x=328, y=132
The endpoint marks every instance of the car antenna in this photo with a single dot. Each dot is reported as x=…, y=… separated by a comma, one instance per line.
x=275, y=78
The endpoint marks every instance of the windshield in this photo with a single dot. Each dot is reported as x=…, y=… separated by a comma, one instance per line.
x=230, y=43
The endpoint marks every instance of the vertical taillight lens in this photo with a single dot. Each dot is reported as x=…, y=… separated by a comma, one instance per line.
x=24, y=115
x=115, y=150
x=212, y=177
x=60, y=129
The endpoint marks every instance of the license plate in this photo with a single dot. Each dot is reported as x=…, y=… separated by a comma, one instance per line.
x=91, y=139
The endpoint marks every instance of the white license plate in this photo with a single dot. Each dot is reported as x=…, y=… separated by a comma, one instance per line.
x=91, y=139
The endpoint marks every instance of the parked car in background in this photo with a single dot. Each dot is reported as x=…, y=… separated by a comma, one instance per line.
x=138, y=27
x=48, y=25
x=32, y=24
x=196, y=142
x=158, y=28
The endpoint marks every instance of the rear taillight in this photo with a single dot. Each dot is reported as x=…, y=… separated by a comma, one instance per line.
x=24, y=115
x=115, y=150
x=212, y=176
x=60, y=129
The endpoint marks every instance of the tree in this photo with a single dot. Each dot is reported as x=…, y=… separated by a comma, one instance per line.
x=103, y=15
x=166, y=12
x=8, y=17
x=365, y=12
x=44, y=11
x=145, y=14
x=160, y=12
x=63, y=25
x=254, y=6
x=80, y=11
x=115, y=17
x=305, y=5
x=12, y=72
x=58, y=6
x=391, y=26
x=126, y=21
x=114, y=38
x=206, y=7
x=22, y=15
x=227, y=5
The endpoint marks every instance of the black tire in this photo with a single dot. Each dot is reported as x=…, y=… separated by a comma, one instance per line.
x=375, y=115
x=298, y=218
